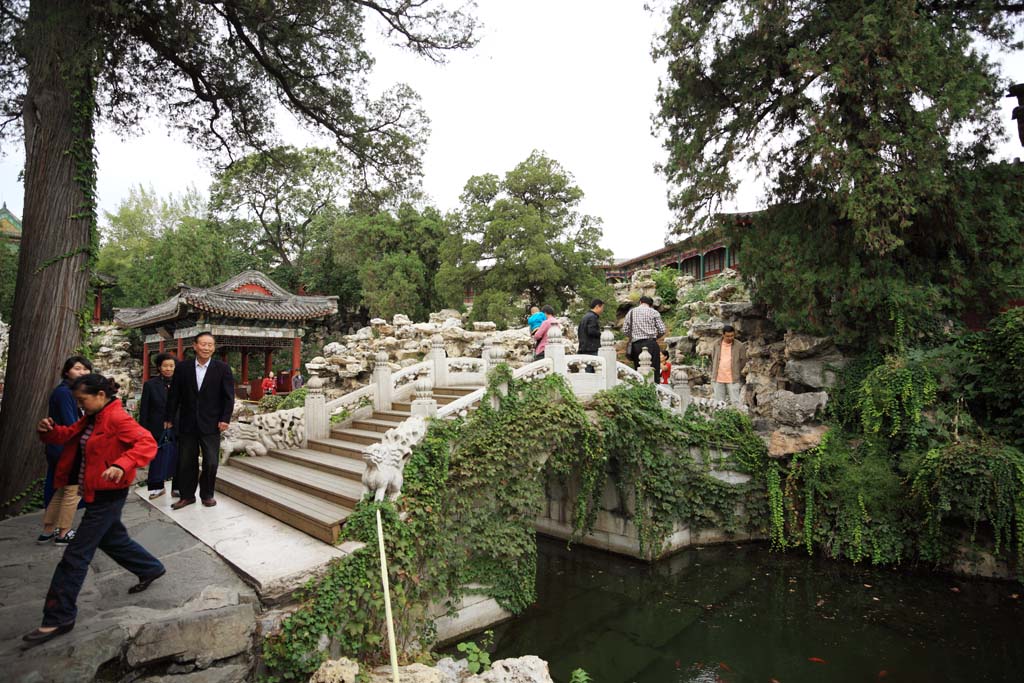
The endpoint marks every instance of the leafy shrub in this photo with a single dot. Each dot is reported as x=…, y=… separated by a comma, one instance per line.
x=665, y=279
x=270, y=402
x=295, y=399
x=893, y=397
x=977, y=481
x=850, y=503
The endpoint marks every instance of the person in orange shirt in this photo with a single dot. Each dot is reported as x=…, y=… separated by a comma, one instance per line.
x=727, y=362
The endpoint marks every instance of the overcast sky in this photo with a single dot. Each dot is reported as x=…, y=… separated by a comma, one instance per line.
x=572, y=78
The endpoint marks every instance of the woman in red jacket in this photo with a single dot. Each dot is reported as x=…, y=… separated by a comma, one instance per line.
x=101, y=452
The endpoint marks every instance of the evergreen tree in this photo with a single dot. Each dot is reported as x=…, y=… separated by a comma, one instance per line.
x=522, y=235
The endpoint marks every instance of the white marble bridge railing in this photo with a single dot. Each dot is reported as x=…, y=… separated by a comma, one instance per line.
x=585, y=374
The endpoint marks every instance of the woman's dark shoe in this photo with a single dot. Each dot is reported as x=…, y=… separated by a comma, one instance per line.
x=65, y=539
x=182, y=503
x=38, y=637
x=46, y=538
x=143, y=584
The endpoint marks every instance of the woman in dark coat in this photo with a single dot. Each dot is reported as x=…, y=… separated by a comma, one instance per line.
x=102, y=451
x=151, y=416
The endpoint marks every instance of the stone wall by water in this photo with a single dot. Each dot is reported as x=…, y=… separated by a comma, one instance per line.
x=614, y=529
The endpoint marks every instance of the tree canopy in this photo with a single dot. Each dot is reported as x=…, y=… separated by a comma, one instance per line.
x=280, y=202
x=866, y=105
x=521, y=234
x=395, y=256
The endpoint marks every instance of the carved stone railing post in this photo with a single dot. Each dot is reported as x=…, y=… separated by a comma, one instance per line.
x=318, y=422
x=607, y=353
x=424, y=404
x=440, y=361
x=497, y=358
x=681, y=385
x=485, y=355
x=645, y=368
x=555, y=350
x=382, y=382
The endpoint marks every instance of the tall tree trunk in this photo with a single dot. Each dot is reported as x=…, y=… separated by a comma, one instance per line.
x=57, y=229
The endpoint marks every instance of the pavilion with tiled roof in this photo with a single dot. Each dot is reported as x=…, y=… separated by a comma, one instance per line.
x=249, y=313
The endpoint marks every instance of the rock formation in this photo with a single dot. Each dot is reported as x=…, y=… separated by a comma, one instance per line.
x=349, y=361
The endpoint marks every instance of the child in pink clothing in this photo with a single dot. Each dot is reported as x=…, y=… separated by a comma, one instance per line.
x=541, y=335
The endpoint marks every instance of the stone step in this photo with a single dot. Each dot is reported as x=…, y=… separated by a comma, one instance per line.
x=331, y=488
x=406, y=406
x=357, y=435
x=338, y=446
x=308, y=513
x=393, y=416
x=373, y=425
x=350, y=466
x=455, y=391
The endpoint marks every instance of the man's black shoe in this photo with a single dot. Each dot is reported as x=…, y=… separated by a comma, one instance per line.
x=39, y=637
x=143, y=584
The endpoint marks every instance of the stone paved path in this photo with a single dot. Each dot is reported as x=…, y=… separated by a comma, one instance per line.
x=196, y=622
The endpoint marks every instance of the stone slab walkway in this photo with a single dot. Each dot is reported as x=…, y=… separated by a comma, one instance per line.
x=273, y=557
x=198, y=621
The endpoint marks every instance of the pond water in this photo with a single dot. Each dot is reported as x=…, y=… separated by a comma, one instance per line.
x=741, y=613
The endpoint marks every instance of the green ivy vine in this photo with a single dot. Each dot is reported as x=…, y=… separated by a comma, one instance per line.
x=652, y=451
x=973, y=481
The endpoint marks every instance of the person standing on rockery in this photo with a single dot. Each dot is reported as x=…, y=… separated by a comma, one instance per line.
x=728, y=359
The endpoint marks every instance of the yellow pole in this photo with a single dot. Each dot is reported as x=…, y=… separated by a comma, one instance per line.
x=387, y=600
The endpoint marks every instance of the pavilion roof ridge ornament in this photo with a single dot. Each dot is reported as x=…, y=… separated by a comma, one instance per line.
x=249, y=295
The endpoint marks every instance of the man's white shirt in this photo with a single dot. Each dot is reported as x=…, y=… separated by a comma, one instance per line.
x=201, y=372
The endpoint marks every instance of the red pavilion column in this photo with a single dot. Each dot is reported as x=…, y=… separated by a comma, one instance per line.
x=97, y=310
x=181, y=351
x=145, y=362
x=268, y=363
x=163, y=346
x=245, y=366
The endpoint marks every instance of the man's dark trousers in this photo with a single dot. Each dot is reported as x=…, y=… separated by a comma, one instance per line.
x=101, y=528
x=652, y=347
x=590, y=368
x=189, y=447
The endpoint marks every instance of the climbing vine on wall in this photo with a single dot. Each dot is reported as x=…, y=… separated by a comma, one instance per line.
x=847, y=501
x=974, y=481
x=652, y=452
x=893, y=397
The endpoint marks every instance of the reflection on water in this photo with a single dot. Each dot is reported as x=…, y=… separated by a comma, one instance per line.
x=740, y=613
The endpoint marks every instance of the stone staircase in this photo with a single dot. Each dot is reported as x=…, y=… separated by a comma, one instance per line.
x=314, y=489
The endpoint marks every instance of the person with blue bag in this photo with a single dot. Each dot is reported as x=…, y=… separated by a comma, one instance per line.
x=151, y=416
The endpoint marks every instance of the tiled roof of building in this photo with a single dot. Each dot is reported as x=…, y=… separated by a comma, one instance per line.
x=10, y=225
x=249, y=295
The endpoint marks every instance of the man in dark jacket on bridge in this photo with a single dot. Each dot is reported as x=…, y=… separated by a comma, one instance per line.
x=589, y=332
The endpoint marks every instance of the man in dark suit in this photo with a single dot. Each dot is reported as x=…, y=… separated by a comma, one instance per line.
x=202, y=395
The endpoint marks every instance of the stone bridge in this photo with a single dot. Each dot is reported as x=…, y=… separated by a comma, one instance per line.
x=309, y=466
